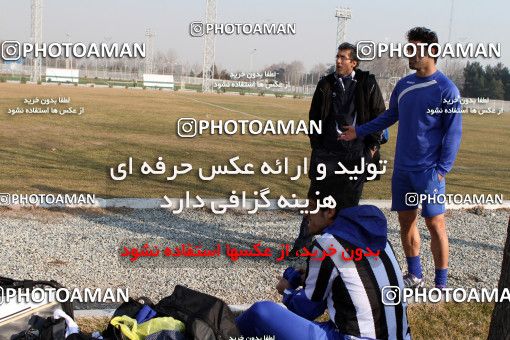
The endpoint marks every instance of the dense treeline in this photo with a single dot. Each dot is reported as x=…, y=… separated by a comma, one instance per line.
x=488, y=81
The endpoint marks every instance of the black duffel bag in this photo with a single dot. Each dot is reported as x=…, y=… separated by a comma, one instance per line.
x=206, y=317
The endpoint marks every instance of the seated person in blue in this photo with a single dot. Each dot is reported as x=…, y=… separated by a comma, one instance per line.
x=351, y=289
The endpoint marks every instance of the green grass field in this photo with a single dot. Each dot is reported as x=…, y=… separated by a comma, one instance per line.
x=56, y=154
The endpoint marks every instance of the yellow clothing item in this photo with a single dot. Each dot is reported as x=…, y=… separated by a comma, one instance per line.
x=134, y=331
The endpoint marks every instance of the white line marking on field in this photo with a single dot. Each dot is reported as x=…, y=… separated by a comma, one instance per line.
x=221, y=107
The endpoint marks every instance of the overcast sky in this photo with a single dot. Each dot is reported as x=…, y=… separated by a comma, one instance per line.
x=314, y=42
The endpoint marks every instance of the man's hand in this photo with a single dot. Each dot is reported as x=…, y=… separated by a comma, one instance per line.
x=440, y=177
x=282, y=285
x=373, y=151
x=349, y=134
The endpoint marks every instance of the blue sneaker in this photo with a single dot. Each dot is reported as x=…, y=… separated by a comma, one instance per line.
x=411, y=281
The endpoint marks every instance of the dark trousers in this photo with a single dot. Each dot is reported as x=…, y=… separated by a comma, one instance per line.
x=349, y=191
x=350, y=194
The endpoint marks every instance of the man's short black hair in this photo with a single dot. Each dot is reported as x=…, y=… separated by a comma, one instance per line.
x=423, y=35
x=333, y=186
x=353, y=53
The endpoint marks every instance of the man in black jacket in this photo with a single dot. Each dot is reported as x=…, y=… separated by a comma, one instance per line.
x=347, y=96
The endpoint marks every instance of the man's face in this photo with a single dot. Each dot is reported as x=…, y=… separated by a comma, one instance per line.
x=419, y=60
x=320, y=220
x=344, y=63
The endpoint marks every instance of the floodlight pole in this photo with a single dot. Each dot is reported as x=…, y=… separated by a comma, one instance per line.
x=36, y=38
x=149, y=60
x=342, y=14
x=209, y=48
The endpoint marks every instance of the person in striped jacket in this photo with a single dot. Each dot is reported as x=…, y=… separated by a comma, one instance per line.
x=356, y=290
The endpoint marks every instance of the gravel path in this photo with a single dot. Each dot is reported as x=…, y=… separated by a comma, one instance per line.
x=80, y=248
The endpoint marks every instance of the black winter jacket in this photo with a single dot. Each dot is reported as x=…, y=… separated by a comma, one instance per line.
x=368, y=102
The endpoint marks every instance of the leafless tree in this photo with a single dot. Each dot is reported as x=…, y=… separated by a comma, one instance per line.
x=454, y=69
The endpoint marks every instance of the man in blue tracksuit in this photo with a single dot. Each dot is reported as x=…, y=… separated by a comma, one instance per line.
x=351, y=289
x=427, y=106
